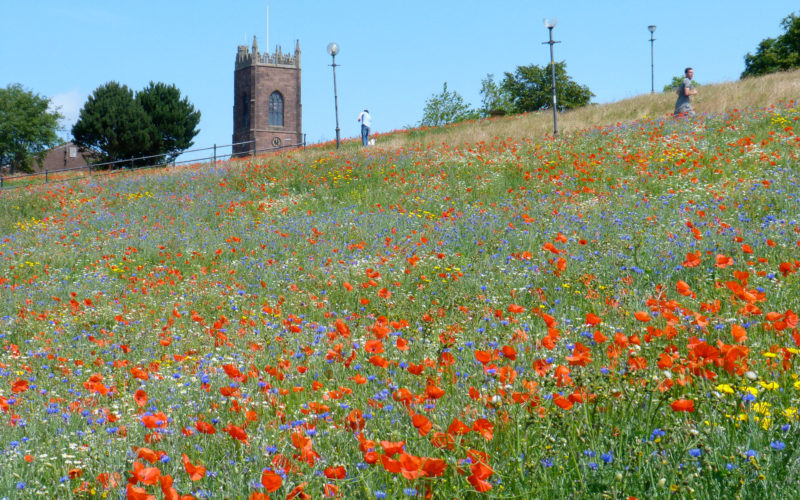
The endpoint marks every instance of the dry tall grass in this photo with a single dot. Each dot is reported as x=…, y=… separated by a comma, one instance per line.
x=712, y=98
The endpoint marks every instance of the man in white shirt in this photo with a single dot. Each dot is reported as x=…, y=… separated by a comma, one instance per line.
x=366, y=123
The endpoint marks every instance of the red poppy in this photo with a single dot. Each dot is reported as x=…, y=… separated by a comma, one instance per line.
x=692, y=260
x=457, y=428
x=19, y=386
x=390, y=464
x=205, y=427
x=270, y=480
x=683, y=405
x=484, y=428
x=483, y=356
x=581, y=355
x=391, y=448
x=422, y=424
x=739, y=333
x=562, y=402
x=147, y=454
x=433, y=467
x=592, y=319
x=145, y=475
x=140, y=397
x=196, y=472
x=515, y=309
x=134, y=493
x=335, y=472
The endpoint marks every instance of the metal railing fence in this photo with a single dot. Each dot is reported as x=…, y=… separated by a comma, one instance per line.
x=215, y=153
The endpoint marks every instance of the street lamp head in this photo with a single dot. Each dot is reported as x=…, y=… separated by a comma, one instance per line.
x=333, y=48
x=550, y=23
x=652, y=28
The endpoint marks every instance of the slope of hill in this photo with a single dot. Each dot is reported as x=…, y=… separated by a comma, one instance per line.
x=712, y=99
x=611, y=314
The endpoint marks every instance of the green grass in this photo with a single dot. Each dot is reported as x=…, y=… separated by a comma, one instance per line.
x=463, y=251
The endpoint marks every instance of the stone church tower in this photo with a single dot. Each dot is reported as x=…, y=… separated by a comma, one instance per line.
x=266, y=102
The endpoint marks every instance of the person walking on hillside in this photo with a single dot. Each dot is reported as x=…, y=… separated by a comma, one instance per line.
x=683, y=106
x=366, y=123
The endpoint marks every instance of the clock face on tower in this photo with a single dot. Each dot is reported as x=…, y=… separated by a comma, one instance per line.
x=276, y=141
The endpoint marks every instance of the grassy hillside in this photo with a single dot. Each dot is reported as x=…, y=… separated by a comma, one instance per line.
x=712, y=99
x=479, y=310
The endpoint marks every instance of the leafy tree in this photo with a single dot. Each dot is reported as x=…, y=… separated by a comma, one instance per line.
x=155, y=123
x=445, y=107
x=114, y=126
x=27, y=127
x=676, y=82
x=776, y=54
x=175, y=120
x=493, y=100
x=530, y=88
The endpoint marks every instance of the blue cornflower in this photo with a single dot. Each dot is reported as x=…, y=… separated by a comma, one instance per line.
x=778, y=445
x=380, y=494
x=410, y=491
x=547, y=462
x=656, y=433
x=608, y=457
x=751, y=454
x=695, y=452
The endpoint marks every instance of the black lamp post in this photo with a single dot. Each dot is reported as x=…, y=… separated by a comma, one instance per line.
x=652, y=29
x=333, y=49
x=550, y=24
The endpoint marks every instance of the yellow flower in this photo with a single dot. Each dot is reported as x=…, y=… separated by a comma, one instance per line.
x=770, y=386
x=762, y=408
x=727, y=389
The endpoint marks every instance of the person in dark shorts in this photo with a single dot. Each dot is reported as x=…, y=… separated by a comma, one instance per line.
x=683, y=106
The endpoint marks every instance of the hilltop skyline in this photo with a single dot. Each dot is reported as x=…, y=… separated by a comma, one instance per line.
x=393, y=57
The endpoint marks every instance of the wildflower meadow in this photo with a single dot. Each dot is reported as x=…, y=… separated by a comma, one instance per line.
x=608, y=314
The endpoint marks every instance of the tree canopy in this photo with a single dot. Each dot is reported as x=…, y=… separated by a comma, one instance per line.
x=445, y=107
x=776, y=54
x=494, y=101
x=175, y=119
x=676, y=82
x=530, y=88
x=117, y=125
x=27, y=127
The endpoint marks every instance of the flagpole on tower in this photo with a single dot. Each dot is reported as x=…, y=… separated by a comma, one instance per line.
x=267, y=27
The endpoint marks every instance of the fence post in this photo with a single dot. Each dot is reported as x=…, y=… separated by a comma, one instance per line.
x=215, y=155
x=45, y=176
x=304, y=142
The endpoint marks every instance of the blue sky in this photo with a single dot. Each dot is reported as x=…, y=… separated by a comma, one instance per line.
x=394, y=55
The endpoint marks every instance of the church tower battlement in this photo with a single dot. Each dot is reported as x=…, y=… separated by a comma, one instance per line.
x=267, y=108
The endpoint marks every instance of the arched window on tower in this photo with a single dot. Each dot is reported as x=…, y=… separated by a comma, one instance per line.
x=245, y=111
x=276, y=109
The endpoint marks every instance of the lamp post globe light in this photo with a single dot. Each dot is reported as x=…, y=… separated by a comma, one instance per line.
x=550, y=24
x=652, y=29
x=333, y=49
